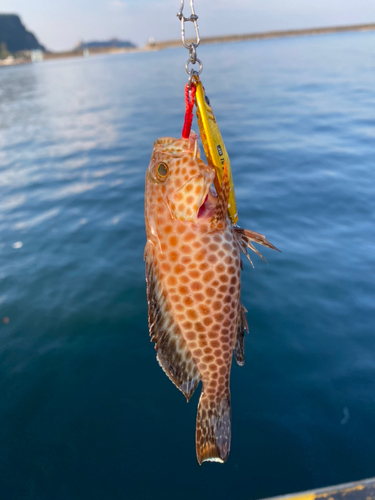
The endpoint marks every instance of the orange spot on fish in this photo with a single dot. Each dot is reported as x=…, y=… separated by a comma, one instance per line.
x=196, y=286
x=203, y=309
x=173, y=256
x=191, y=335
x=199, y=256
x=212, y=258
x=179, y=269
x=213, y=247
x=199, y=327
x=199, y=297
x=188, y=301
x=172, y=280
x=192, y=314
x=203, y=266
x=208, y=276
x=189, y=236
x=194, y=274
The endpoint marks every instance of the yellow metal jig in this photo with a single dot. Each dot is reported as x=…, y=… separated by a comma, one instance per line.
x=213, y=143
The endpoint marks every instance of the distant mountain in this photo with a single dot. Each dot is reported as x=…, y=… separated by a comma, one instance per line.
x=13, y=33
x=114, y=42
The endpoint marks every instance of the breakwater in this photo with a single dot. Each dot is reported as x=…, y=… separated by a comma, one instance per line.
x=269, y=34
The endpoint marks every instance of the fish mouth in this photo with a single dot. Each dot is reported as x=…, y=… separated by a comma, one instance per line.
x=208, y=207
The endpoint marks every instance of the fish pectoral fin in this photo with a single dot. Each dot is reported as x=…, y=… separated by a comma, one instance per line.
x=173, y=354
x=213, y=430
x=242, y=327
x=244, y=238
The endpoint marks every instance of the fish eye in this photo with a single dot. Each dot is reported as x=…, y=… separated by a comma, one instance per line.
x=162, y=170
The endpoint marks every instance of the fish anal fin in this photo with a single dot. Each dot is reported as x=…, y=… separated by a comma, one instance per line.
x=213, y=430
x=173, y=354
x=242, y=326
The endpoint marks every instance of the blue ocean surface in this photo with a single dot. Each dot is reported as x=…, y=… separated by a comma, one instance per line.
x=85, y=410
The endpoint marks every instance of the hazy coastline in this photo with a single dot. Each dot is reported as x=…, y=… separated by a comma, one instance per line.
x=154, y=46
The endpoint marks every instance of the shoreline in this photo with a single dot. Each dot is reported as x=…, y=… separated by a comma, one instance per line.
x=156, y=46
x=267, y=35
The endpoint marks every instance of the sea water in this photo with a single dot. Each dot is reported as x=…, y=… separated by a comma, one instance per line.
x=85, y=410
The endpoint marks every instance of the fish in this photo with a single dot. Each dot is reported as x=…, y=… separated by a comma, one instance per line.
x=193, y=274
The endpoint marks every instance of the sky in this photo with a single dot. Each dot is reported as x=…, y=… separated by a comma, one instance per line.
x=61, y=24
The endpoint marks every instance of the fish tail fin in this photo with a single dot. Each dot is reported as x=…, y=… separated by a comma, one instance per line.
x=213, y=430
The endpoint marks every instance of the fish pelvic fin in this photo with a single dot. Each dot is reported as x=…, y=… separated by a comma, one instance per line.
x=221, y=209
x=213, y=429
x=173, y=354
x=244, y=237
x=242, y=327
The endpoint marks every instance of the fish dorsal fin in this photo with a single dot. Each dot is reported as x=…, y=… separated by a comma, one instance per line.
x=172, y=352
x=242, y=326
x=221, y=209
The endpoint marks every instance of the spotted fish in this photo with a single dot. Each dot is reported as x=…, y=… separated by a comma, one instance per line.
x=193, y=267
